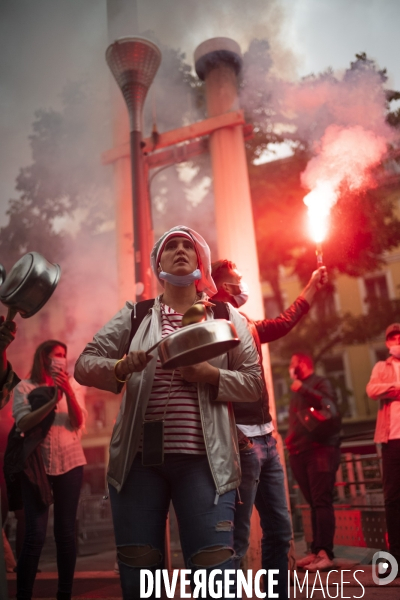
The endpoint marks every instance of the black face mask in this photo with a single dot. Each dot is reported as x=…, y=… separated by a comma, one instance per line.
x=295, y=373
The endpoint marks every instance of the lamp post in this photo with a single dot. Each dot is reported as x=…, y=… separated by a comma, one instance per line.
x=134, y=62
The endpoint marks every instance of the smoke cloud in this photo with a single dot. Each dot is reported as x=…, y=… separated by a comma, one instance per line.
x=339, y=117
x=345, y=155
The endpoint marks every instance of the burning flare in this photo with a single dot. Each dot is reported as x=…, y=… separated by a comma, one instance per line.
x=345, y=156
x=319, y=203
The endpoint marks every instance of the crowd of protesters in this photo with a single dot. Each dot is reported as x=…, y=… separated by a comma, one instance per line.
x=213, y=449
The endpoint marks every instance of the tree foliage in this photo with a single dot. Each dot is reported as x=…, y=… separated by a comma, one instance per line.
x=65, y=180
x=363, y=225
x=320, y=330
x=67, y=186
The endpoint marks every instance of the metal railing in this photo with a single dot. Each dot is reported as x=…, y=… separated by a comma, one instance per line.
x=359, y=505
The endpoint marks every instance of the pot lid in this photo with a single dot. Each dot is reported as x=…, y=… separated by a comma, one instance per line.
x=17, y=276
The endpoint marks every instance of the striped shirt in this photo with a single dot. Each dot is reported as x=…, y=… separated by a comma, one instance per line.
x=183, y=432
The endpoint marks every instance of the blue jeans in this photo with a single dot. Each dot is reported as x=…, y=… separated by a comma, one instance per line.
x=263, y=485
x=140, y=511
x=66, y=489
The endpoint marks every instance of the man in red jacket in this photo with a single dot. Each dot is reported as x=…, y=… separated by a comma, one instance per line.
x=262, y=474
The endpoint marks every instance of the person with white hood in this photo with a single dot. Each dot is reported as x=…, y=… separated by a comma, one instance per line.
x=384, y=385
x=200, y=469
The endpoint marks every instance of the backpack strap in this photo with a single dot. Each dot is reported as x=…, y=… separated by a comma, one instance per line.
x=138, y=313
x=220, y=310
x=141, y=309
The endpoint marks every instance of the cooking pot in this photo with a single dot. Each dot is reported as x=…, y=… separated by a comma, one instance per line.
x=196, y=343
x=29, y=285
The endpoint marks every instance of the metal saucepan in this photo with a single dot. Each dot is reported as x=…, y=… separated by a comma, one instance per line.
x=29, y=285
x=196, y=343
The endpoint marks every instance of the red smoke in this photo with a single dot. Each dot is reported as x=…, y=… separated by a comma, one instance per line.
x=345, y=157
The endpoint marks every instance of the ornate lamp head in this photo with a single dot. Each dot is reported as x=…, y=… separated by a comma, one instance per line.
x=134, y=62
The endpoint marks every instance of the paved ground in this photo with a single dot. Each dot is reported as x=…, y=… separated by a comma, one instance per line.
x=95, y=578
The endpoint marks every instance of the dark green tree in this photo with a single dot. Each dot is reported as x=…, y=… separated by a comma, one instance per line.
x=363, y=225
x=64, y=182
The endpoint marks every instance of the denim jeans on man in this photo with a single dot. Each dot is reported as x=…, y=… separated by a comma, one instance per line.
x=66, y=489
x=263, y=485
x=315, y=471
x=140, y=511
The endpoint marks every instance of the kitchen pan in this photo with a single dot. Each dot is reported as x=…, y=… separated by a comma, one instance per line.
x=28, y=285
x=197, y=343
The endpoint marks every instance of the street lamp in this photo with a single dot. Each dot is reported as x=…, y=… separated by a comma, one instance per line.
x=134, y=62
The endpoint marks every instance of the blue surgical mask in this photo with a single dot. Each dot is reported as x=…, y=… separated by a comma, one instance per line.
x=181, y=280
x=241, y=298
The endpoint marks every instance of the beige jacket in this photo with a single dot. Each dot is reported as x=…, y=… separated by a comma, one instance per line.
x=240, y=380
x=383, y=377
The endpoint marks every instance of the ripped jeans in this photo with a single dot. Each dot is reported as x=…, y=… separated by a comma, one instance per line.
x=140, y=512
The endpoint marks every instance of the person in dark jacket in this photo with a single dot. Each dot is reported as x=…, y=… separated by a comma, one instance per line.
x=8, y=380
x=263, y=482
x=314, y=455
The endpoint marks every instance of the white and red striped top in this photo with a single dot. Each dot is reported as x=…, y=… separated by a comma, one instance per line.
x=183, y=432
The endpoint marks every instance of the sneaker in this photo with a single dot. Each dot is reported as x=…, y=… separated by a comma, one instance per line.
x=322, y=562
x=303, y=562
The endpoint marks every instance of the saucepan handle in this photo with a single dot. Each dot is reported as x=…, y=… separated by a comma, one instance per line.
x=150, y=350
x=11, y=313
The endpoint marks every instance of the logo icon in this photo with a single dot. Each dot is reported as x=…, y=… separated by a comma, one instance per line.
x=384, y=568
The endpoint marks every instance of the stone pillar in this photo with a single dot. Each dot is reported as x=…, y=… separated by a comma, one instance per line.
x=218, y=61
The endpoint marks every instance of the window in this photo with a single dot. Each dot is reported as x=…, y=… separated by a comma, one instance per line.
x=280, y=378
x=376, y=288
x=271, y=307
x=335, y=371
x=381, y=353
x=324, y=304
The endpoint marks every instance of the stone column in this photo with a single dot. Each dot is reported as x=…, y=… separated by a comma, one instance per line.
x=218, y=62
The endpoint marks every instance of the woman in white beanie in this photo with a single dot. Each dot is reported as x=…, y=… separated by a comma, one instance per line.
x=185, y=411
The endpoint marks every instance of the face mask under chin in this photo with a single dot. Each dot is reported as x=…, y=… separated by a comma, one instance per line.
x=181, y=280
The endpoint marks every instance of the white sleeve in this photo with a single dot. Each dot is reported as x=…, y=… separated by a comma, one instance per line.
x=21, y=406
x=80, y=394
